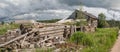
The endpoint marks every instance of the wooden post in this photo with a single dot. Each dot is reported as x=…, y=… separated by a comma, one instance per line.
x=75, y=28
x=81, y=28
x=65, y=32
x=71, y=30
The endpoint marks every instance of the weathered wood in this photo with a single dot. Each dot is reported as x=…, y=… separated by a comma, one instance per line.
x=45, y=40
x=75, y=28
x=71, y=30
x=23, y=40
x=17, y=38
x=65, y=32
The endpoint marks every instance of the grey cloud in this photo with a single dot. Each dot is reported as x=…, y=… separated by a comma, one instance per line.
x=26, y=6
x=25, y=9
x=109, y=4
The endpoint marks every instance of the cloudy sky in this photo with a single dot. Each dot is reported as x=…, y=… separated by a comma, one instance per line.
x=50, y=9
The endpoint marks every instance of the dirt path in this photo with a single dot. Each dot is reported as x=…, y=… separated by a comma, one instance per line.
x=116, y=47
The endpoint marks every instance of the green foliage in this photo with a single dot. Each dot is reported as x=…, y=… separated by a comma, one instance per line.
x=48, y=21
x=102, y=22
x=113, y=23
x=100, y=41
x=5, y=27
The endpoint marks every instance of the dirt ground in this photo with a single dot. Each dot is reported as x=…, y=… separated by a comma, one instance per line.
x=116, y=47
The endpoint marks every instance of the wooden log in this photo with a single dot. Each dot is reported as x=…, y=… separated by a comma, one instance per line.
x=23, y=41
x=71, y=30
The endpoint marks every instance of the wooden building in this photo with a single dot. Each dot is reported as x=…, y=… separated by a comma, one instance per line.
x=83, y=16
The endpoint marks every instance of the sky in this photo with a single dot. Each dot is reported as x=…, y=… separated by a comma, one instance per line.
x=52, y=9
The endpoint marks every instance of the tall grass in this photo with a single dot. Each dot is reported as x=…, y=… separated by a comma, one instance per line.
x=44, y=50
x=5, y=27
x=100, y=41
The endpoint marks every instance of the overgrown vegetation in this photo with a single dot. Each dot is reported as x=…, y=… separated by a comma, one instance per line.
x=100, y=41
x=48, y=21
x=5, y=27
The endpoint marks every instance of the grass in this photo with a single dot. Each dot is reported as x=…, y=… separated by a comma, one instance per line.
x=44, y=50
x=100, y=41
x=5, y=27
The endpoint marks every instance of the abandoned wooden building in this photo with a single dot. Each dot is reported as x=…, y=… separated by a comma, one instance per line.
x=87, y=21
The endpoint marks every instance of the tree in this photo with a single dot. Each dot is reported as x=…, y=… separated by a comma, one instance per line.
x=113, y=23
x=102, y=21
x=2, y=22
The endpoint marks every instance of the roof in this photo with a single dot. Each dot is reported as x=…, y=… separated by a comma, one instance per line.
x=72, y=16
